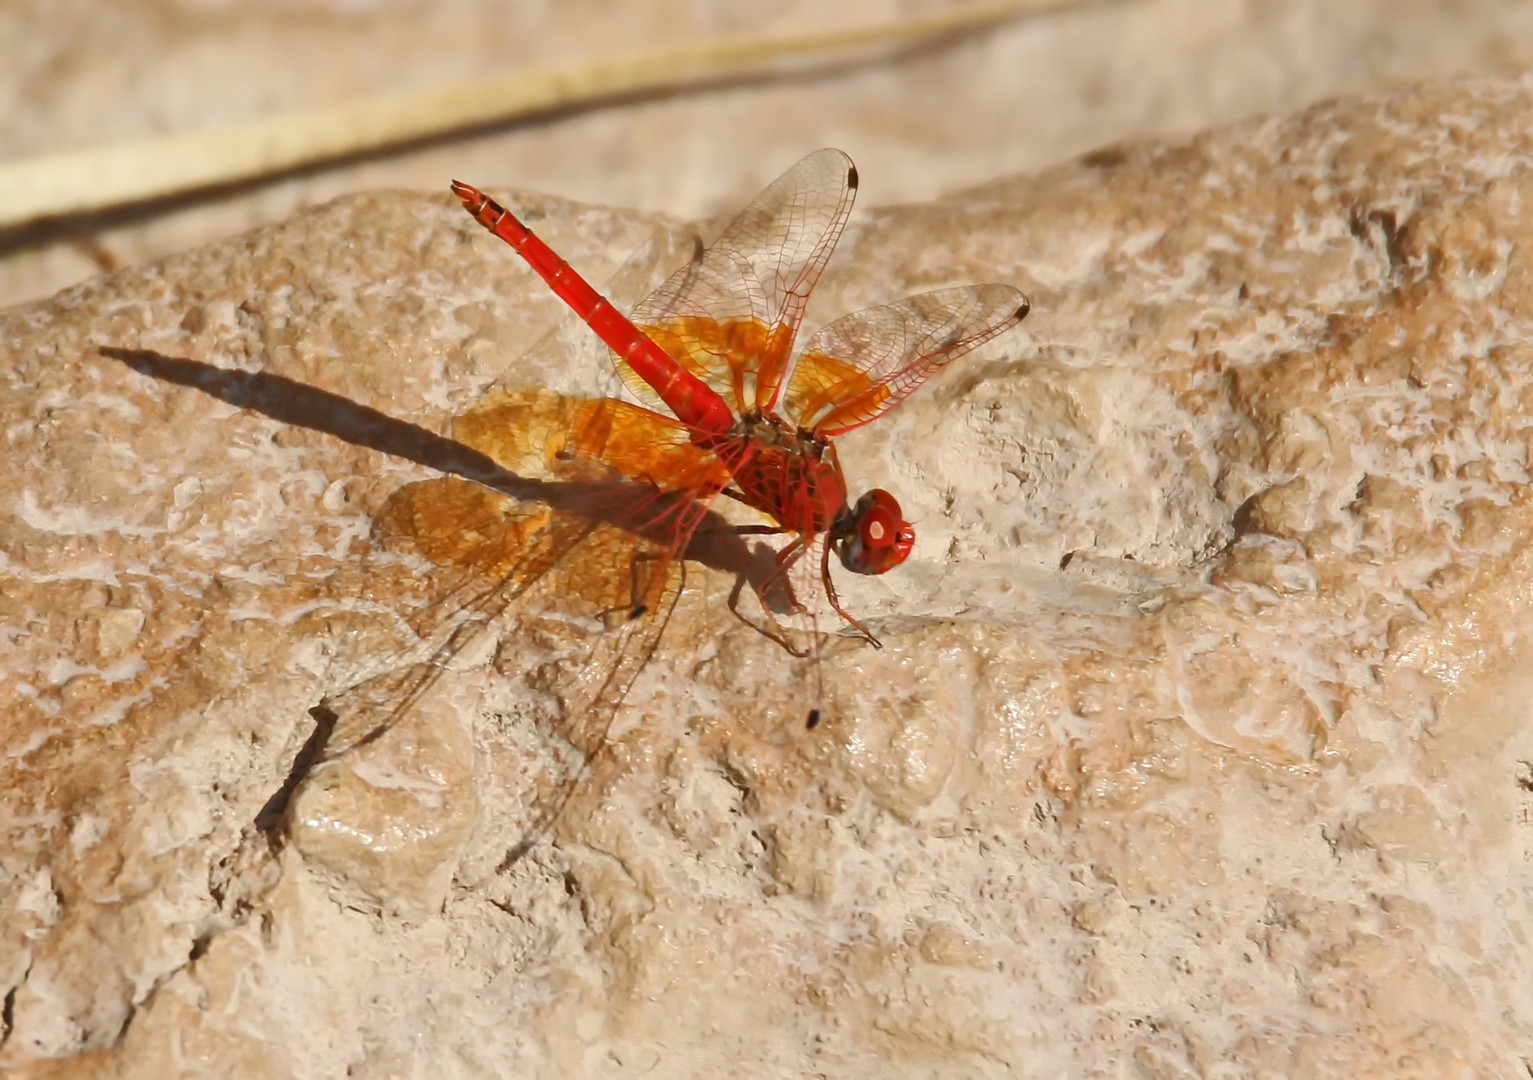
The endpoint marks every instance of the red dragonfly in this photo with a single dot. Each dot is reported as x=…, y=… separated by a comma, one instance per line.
x=608, y=497
x=713, y=346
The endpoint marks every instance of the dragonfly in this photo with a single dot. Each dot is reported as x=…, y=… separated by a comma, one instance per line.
x=611, y=497
x=725, y=407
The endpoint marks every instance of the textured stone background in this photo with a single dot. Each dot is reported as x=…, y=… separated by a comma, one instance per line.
x=1198, y=746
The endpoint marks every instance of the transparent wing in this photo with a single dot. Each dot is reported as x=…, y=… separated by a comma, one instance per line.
x=863, y=364
x=730, y=316
x=577, y=573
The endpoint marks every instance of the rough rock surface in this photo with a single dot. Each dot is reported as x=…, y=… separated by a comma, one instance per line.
x=1198, y=746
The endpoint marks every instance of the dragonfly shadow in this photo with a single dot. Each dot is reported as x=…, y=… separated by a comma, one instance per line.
x=715, y=544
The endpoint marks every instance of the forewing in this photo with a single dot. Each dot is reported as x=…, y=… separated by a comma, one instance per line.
x=730, y=316
x=863, y=364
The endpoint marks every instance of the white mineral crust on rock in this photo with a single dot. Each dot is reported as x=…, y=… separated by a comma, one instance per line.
x=1198, y=746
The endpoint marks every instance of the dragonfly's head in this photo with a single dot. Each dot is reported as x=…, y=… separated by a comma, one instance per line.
x=872, y=537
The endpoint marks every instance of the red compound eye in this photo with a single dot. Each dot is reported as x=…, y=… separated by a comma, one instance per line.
x=876, y=538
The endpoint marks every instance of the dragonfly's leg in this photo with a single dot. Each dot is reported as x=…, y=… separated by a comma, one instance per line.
x=773, y=629
x=688, y=524
x=641, y=581
x=785, y=560
x=830, y=593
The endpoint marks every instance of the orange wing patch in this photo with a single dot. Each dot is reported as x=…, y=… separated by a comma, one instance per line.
x=741, y=359
x=822, y=383
x=541, y=435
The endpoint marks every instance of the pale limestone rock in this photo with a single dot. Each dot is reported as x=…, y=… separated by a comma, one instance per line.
x=1197, y=747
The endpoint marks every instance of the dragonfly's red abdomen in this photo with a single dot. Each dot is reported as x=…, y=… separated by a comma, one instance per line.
x=693, y=401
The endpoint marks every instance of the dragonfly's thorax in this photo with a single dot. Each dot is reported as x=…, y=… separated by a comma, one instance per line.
x=790, y=474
